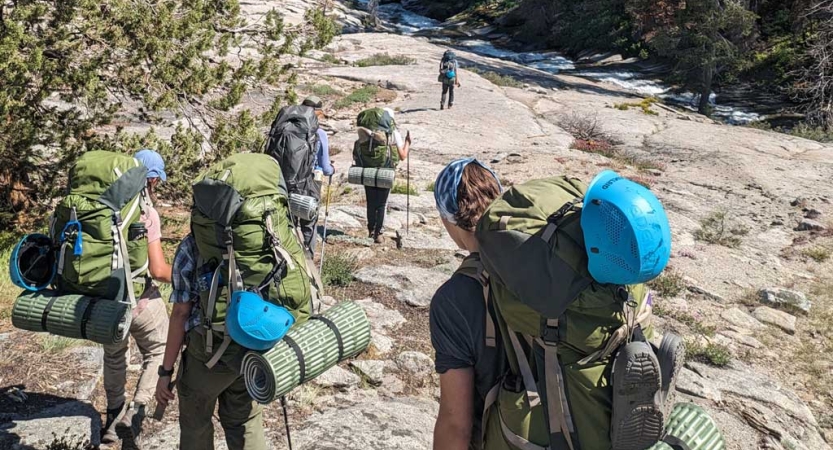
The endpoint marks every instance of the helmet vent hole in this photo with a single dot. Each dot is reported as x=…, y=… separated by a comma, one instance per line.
x=595, y=250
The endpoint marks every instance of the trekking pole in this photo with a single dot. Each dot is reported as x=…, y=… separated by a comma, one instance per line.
x=326, y=216
x=408, y=195
x=286, y=422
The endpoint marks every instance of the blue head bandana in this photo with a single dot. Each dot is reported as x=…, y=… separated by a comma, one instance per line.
x=447, y=184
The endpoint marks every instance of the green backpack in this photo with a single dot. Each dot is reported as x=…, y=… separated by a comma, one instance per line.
x=101, y=243
x=560, y=329
x=376, y=146
x=246, y=240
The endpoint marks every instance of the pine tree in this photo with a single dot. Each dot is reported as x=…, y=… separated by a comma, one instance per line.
x=69, y=68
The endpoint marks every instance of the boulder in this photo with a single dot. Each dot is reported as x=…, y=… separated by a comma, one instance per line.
x=337, y=377
x=414, y=286
x=810, y=225
x=739, y=318
x=415, y=363
x=380, y=343
x=381, y=317
x=372, y=370
x=785, y=299
x=74, y=421
x=751, y=389
x=372, y=423
x=780, y=319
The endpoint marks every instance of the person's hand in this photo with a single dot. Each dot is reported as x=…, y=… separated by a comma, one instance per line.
x=163, y=391
x=408, y=137
x=458, y=84
x=333, y=165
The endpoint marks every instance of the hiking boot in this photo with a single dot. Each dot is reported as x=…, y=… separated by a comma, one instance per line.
x=378, y=239
x=108, y=432
x=442, y=107
x=637, y=408
x=129, y=428
x=671, y=356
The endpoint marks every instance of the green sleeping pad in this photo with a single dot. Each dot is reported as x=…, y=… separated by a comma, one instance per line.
x=73, y=316
x=307, y=350
x=692, y=425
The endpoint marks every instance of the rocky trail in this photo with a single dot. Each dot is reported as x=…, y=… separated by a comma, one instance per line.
x=749, y=283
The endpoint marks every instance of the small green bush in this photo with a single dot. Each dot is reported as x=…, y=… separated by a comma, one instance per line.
x=51, y=343
x=321, y=90
x=806, y=131
x=644, y=105
x=668, y=285
x=715, y=229
x=817, y=254
x=364, y=94
x=384, y=59
x=714, y=354
x=430, y=187
x=402, y=188
x=338, y=270
x=498, y=79
x=330, y=58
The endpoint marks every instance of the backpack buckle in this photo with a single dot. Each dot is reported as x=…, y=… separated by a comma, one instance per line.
x=512, y=383
x=549, y=331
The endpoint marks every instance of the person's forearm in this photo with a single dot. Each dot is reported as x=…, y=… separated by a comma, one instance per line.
x=450, y=436
x=403, y=151
x=176, y=337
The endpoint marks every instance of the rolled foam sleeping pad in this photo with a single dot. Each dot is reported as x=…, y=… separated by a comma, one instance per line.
x=303, y=206
x=307, y=350
x=692, y=425
x=371, y=176
x=74, y=316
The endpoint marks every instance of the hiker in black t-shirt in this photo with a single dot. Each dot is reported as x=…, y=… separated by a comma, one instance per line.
x=468, y=355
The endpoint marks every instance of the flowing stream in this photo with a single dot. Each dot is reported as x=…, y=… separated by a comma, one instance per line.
x=409, y=23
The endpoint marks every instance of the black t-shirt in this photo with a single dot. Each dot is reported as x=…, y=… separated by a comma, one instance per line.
x=458, y=333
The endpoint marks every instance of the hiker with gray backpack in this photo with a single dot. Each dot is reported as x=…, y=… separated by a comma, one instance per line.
x=294, y=141
x=449, y=77
x=541, y=335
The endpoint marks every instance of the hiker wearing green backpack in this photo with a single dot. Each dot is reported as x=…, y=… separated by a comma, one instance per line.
x=240, y=280
x=558, y=271
x=380, y=145
x=148, y=327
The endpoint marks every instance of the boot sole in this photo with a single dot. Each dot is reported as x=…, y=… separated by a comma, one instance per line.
x=637, y=414
x=128, y=438
x=671, y=357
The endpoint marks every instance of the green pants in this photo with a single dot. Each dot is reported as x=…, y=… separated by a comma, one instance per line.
x=201, y=389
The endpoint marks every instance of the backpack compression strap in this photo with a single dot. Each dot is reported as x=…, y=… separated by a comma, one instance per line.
x=235, y=283
x=633, y=318
x=558, y=410
x=473, y=268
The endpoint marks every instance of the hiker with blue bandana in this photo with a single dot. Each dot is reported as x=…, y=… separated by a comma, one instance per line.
x=543, y=254
x=149, y=328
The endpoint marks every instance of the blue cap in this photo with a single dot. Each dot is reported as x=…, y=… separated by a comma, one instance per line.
x=154, y=162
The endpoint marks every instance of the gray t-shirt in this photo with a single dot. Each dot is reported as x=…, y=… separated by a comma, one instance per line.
x=458, y=334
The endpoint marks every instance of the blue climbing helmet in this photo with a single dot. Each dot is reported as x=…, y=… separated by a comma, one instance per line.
x=626, y=231
x=32, y=263
x=255, y=323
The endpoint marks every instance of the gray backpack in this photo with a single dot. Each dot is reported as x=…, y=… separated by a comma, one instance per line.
x=293, y=142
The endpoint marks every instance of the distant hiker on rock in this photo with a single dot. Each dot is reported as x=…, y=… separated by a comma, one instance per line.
x=149, y=328
x=380, y=145
x=543, y=329
x=251, y=275
x=449, y=77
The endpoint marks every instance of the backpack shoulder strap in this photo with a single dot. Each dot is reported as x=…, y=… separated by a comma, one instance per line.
x=473, y=268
